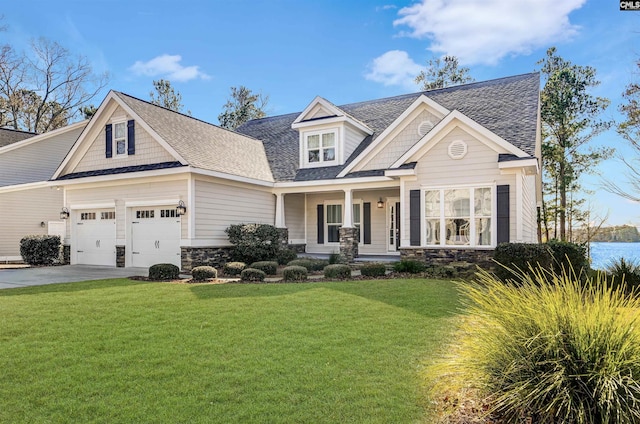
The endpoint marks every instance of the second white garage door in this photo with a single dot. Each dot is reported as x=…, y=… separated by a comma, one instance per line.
x=155, y=236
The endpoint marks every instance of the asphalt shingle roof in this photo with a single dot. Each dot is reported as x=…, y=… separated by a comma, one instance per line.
x=203, y=145
x=506, y=106
x=121, y=170
x=10, y=136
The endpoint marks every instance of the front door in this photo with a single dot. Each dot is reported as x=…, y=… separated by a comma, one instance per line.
x=393, y=224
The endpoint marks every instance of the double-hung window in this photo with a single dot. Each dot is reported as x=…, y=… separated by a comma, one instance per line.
x=120, y=138
x=458, y=216
x=334, y=223
x=320, y=147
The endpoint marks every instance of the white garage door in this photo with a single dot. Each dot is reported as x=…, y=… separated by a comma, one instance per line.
x=155, y=236
x=96, y=237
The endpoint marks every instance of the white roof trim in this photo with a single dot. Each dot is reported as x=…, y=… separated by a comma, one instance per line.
x=40, y=137
x=434, y=136
x=339, y=113
x=98, y=120
x=381, y=139
x=333, y=120
x=528, y=164
x=399, y=172
x=25, y=186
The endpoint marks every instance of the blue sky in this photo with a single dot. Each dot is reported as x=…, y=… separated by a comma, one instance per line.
x=345, y=51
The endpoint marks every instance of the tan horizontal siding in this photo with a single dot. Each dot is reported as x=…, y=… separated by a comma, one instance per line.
x=218, y=205
x=23, y=211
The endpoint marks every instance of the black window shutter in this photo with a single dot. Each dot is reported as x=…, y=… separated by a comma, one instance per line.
x=503, y=214
x=131, y=137
x=108, y=141
x=320, y=224
x=366, y=222
x=414, y=217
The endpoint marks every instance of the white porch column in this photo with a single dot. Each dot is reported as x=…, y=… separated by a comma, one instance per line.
x=348, y=208
x=280, y=211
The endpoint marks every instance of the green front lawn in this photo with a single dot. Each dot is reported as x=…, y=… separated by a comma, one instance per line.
x=130, y=351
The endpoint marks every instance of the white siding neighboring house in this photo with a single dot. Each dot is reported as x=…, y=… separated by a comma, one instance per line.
x=446, y=173
x=29, y=203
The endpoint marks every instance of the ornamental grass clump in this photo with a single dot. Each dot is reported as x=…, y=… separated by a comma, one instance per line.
x=548, y=348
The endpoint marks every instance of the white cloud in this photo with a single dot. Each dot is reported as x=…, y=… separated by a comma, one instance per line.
x=169, y=67
x=395, y=67
x=484, y=31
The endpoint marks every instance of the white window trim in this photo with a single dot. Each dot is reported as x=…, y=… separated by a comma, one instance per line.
x=472, y=223
x=115, y=141
x=326, y=224
x=328, y=203
x=358, y=202
x=321, y=163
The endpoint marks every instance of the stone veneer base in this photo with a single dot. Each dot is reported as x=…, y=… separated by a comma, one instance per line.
x=461, y=258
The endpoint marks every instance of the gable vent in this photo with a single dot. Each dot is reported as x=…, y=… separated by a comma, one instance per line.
x=457, y=149
x=424, y=127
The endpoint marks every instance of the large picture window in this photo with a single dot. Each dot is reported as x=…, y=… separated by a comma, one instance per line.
x=320, y=147
x=458, y=217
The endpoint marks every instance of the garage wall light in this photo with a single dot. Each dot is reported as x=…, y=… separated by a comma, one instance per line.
x=380, y=203
x=64, y=214
x=181, y=209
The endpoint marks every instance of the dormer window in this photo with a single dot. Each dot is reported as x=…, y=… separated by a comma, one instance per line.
x=320, y=147
x=120, y=138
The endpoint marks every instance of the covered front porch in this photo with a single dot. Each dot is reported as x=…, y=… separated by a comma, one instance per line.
x=353, y=222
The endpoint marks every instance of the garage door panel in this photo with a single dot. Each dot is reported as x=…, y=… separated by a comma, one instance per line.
x=96, y=237
x=155, y=237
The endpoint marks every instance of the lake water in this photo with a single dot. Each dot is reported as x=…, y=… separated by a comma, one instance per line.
x=603, y=253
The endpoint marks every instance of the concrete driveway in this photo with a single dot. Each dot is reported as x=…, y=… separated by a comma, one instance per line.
x=11, y=278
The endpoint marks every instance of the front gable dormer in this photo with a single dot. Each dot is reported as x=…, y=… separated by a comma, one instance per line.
x=116, y=137
x=413, y=124
x=327, y=134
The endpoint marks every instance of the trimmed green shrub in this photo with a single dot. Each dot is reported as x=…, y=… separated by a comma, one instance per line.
x=254, y=242
x=625, y=274
x=269, y=267
x=310, y=264
x=409, y=266
x=373, y=270
x=294, y=273
x=569, y=256
x=339, y=271
x=233, y=268
x=252, y=275
x=164, y=272
x=40, y=249
x=516, y=258
x=285, y=256
x=550, y=348
x=335, y=258
x=203, y=273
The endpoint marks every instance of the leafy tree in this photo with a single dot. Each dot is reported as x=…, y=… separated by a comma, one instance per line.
x=88, y=111
x=629, y=129
x=166, y=96
x=242, y=107
x=443, y=72
x=44, y=89
x=570, y=119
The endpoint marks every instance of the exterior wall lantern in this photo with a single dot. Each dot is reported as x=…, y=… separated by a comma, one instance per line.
x=181, y=209
x=380, y=204
x=64, y=214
